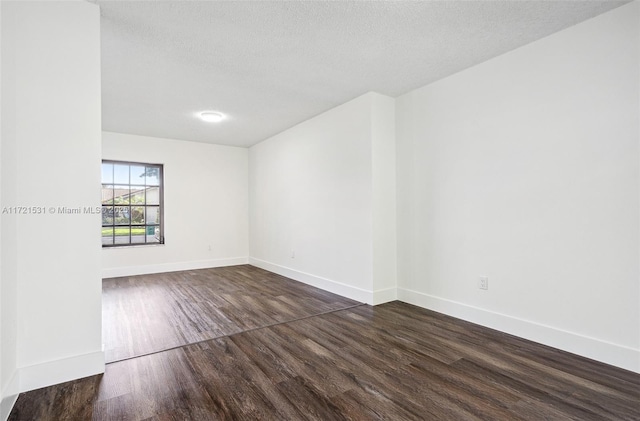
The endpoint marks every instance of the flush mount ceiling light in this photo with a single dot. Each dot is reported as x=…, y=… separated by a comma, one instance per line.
x=211, y=116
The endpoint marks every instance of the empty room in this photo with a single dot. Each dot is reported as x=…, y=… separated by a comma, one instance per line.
x=315, y=210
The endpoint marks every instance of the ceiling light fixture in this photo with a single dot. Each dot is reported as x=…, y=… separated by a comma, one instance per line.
x=211, y=116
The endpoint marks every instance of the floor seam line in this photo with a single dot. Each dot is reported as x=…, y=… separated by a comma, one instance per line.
x=237, y=333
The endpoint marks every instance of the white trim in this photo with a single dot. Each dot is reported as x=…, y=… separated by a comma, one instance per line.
x=10, y=395
x=171, y=267
x=335, y=287
x=60, y=371
x=606, y=352
x=386, y=295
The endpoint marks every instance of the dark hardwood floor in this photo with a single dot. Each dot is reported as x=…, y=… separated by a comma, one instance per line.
x=150, y=313
x=394, y=362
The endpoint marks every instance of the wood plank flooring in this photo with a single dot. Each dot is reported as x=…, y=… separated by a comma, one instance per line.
x=393, y=362
x=150, y=313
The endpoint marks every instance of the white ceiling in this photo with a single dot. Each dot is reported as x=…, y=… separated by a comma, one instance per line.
x=272, y=64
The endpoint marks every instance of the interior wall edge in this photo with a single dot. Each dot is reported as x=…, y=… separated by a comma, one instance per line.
x=62, y=370
x=172, y=267
x=593, y=348
x=386, y=295
x=329, y=285
x=9, y=396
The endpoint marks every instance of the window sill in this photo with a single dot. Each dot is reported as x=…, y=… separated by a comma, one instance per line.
x=132, y=246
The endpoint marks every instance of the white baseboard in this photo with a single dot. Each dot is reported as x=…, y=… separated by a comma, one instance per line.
x=171, y=267
x=60, y=371
x=596, y=349
x=9, y=396
x=386, y=295
x=335, y=287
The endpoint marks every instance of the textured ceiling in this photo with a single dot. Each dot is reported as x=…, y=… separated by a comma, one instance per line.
x=270, y=65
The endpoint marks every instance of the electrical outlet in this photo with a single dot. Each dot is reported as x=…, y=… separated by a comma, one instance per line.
x=483, y=283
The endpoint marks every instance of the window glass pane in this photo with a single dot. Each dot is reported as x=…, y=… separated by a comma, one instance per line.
x=153, y=215
x=153, y=196
x=137, y=195
x=107, y=173
x=137, y=234
x=122, y=235
x=107, y=195
x=107, y=216
x=153, y=176
x=137, y=214
x=107, y=236
x=121, y=174
x=122, y=215
x=137, y=174
x=121, y=195
x=153, y=234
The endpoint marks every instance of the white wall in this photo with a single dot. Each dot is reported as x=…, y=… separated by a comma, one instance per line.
x=525, y=169
x=206, y=205
x=50, y=158
x=383, y=179
x=9, y=382
x=311, y=199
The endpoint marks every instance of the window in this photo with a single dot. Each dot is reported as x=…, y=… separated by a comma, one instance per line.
x=132, y=201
